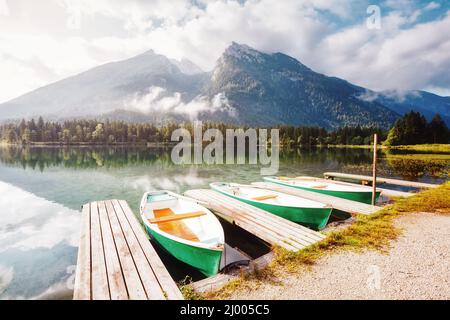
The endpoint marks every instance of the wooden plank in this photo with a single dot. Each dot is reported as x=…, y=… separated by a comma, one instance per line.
x=337, y=203
x=82, y=289
x=132, y=280
x=115, y=258
x=242, y=220
x=146, y=274
x=165, y=280
x=176, y=217
x=394, y=193
x=270, y=228
x=384, y=191
x=272, y=222
x=219, y=280
x=398, y=182
x=100, y=287
x=117, y=288
x=281, y=224
x=262, y=198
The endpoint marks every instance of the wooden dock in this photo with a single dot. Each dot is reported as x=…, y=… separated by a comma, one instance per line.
x=268, y=227
x=367, y=179
x=116, y=261
x=335, y=202
x=385, y=192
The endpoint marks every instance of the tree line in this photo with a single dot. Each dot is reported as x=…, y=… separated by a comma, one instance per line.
x=412, y=128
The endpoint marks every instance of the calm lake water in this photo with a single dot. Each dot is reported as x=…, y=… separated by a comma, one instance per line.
x=42, y=190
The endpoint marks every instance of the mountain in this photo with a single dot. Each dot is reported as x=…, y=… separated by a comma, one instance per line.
x=245, y=87
x=425, y=102
x=276, y=88
x=112, y=87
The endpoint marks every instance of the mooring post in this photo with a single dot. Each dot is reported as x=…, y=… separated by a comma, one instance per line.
x=374, y=168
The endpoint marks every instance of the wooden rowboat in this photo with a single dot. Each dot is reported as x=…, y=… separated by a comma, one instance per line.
x=331, y=188
x=307, y=212
x=185, y=229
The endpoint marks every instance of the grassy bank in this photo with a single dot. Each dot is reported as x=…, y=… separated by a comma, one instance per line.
x=374, y=232
x=424, y=147
x=441, y=148
x=355, y=146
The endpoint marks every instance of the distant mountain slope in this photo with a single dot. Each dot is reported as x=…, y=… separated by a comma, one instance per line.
x=425, y=102
x=275, y=88
x=246, y=87
x=104, y=89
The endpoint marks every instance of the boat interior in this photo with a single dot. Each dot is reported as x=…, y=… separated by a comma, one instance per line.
x=182, y=219
x=268, y=196
x=314, y=183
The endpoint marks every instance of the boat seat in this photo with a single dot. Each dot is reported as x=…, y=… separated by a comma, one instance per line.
x=176, y=228
x=176, y=217
x=319, y=186
x=267, y=197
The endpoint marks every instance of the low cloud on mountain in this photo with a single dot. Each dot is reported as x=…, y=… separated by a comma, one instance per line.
x=156, y=99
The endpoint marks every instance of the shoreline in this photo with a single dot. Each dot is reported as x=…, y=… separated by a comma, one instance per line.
x=439, y=148
x=399, y=273
x=103, y=145
x=375, y=234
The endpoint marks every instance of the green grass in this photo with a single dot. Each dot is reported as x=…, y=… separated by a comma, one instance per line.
x=442, y=148
x=187, y=291
x=424, y=147
x=356, y=146
x=373, y=232
x=420, y=156
x=417, y=165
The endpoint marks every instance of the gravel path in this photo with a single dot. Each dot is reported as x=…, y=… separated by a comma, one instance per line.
x=417, y=267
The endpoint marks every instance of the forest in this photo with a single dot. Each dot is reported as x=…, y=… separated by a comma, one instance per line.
x=413, y=128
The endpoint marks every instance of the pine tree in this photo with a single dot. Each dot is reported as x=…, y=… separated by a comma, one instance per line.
x=438, y=131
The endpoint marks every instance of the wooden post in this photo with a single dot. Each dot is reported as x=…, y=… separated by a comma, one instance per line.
x=374, y=173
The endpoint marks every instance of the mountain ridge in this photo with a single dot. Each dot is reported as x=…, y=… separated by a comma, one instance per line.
x=246, y=86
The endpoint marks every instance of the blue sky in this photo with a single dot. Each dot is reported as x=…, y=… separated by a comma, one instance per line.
x=436, y=10
x=48, y=40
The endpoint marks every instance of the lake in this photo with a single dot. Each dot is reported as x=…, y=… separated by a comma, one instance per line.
x=43, y=188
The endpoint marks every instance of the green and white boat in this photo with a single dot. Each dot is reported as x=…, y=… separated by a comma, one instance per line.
x=188, y=231
x=307, y=212
x=331, y=188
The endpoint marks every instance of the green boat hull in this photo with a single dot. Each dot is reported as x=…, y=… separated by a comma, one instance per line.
x=364, y=197
x=315, y=218
x=207, y=261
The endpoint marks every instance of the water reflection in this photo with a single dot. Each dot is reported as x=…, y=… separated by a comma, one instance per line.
x=43, y=189
x=38, y=241
x=41, y=158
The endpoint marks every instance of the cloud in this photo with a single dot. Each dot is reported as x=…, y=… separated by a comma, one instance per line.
x=392, y=58
x=400, y=95
x=158, y=100
x=4, y=9
x=177, y=182
x=47, y=225
x=6, y=276
x=63, y=37
x=368, y=96
x=432, y=5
